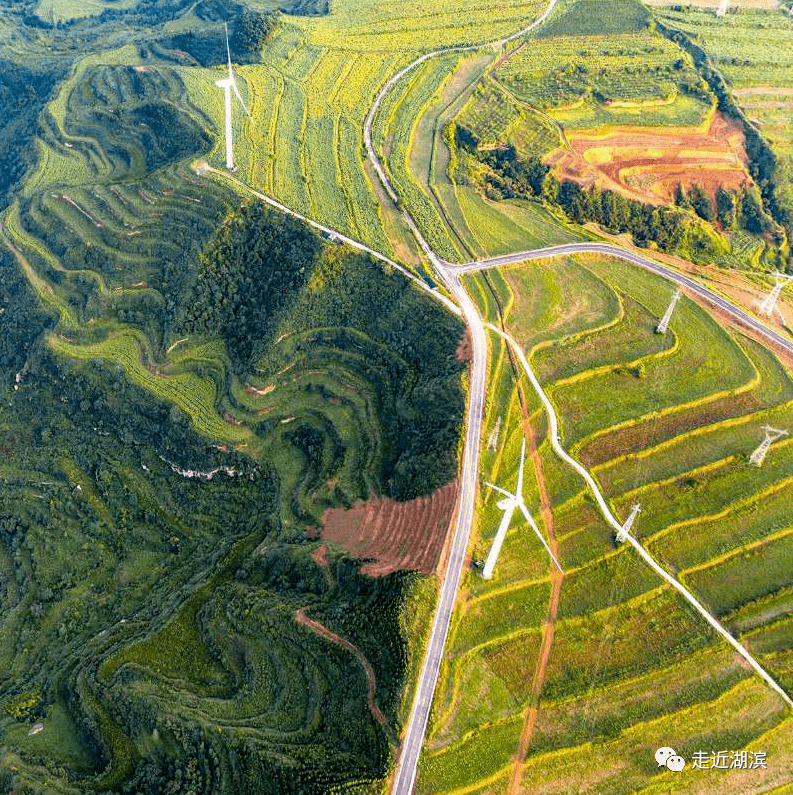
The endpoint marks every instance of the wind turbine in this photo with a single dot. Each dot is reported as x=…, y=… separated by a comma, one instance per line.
x=508, y=505
x=228, y=84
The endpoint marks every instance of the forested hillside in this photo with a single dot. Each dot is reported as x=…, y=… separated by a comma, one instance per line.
x=189, y=381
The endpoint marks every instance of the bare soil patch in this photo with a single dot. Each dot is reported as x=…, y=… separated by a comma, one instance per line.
x=464, y=350
x=646, y=164
x=252, y=390
x=393, y=536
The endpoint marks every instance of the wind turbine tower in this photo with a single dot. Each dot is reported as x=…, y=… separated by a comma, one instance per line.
x=769, y=302
x=664, y=324
x=228, y=84
x=508, y=505
x=771, y=435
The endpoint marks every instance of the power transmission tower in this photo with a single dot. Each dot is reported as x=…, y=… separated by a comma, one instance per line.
x=492, y=441
x=623, y=534
x=664, y=324
x=769, y=302
x=771, y=435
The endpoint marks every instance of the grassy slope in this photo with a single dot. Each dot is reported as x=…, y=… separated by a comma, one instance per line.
x=627, y=653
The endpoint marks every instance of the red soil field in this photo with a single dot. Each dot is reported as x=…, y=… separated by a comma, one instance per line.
x=646, y=164
x=391, y=535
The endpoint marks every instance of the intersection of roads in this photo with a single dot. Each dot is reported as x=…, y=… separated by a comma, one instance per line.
x=449, y=274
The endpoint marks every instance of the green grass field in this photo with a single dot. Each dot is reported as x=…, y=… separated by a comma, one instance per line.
x=668, y=421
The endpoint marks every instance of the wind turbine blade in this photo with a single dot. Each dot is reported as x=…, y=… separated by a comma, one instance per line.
x=529, y=517
x=519, y=490
x=499, y=490
x=237, y=92
x=536, y=529
x=228, y=49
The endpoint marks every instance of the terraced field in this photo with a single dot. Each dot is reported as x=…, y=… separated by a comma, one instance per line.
x=458, y=221
x=614, y=663
x=750, y=49
x=162, y=482
x=318, y=79
x=624, y=78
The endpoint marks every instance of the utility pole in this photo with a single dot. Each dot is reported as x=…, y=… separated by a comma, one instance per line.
x=664, y=324
x=771, y=435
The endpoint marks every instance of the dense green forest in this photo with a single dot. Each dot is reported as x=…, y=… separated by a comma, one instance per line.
x=149, y=617
x=227, y=375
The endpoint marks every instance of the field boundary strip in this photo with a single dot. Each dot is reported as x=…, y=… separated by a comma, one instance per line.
x=612, y=520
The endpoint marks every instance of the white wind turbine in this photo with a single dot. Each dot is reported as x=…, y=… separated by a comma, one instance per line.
x=228, y=84
x=508, y=505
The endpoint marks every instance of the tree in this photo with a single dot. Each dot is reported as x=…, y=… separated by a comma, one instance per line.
x=700, y=203
x=752, y=216
x=725, y=207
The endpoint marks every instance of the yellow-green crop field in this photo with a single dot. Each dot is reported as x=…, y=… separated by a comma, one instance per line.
x=593, y=81
x=631, y=666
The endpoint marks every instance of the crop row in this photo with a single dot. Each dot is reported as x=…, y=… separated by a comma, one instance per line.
x=555, y=72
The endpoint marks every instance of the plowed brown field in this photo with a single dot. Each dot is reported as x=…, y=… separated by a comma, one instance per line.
x=646, y=164
x=393, y=535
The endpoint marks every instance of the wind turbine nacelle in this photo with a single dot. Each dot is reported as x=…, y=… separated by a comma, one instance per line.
x=226, y=82
x=507, y=503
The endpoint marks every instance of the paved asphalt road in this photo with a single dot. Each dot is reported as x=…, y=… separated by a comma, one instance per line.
x=407, y=764
x=422, y=702
x=643, y=262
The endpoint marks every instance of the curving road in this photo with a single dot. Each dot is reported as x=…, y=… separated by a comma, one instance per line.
x=413, y=740
x=643, y=262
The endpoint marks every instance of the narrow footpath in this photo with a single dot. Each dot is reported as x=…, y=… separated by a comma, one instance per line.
x=324, y=632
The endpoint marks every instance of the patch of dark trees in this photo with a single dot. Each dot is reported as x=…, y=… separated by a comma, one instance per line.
x=247, y=276
x=248, y=30
x=22, y=318
x=251, y=280
x=763, y=163
x=23, y=95
x=732, y=208
x=163, y=133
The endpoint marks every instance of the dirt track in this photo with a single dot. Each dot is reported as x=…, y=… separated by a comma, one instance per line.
x=324, y=632
x=548, y=627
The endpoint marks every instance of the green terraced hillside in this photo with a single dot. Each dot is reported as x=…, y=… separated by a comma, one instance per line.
x=545, y=671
